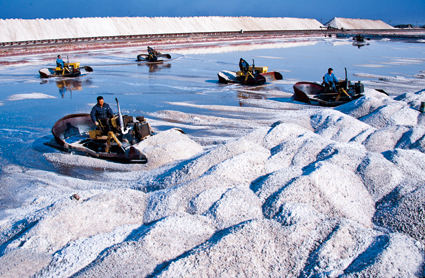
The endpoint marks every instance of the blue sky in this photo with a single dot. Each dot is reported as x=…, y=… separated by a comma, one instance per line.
x=391, y=11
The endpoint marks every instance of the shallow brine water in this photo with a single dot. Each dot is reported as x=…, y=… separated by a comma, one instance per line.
x=29, y=106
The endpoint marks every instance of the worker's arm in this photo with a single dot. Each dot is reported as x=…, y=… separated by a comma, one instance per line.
x=93, y=115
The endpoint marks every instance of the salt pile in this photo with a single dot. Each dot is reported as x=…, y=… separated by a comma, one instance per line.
x=29, y=96
x=357, y=23
x=44, y=29
x=312, y=192
x=393, y=85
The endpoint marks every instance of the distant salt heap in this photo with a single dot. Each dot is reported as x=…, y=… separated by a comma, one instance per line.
x=43, y=29
x=315, y=193
x=357, y=23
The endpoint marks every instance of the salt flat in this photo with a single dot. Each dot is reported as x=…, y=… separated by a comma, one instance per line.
x=259, y=186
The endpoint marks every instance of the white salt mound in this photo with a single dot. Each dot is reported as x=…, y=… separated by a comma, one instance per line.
x=357, y=23
x=43, y=29
x=167, y=147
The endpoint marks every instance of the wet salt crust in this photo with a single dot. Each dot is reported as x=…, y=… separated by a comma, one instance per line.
x=312, y=192
x=29, y=96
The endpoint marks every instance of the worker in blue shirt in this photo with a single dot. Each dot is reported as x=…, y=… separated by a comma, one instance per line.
x=101, y=113
x=59, y=62
x=330, y=79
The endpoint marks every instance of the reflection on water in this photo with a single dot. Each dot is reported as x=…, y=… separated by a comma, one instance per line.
x=249, y=95
x=70, y=84
x=360, y=44
x=272, y=90
x=156, y=67
x=67, y=86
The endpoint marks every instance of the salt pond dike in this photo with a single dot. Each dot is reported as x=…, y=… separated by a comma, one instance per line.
x=312, y=192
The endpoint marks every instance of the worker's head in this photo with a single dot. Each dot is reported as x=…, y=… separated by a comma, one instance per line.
x=59, y=56
x=100, y=100
x=330, y=70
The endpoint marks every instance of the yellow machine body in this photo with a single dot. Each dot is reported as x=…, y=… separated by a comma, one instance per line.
x=115, y=122
x=71, y=65
x=95, y=134
x=257, y=69
x=74, y=65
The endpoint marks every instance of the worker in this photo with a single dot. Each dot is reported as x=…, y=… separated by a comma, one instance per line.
x=243, y=65
x=330, y=80
x=59, y=62
x=152, y=57
x=152, y=51
x=101, y=114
